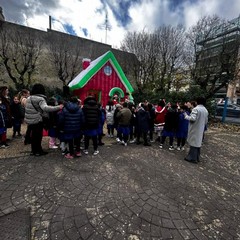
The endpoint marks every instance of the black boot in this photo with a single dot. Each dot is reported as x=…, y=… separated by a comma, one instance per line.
x=157, y=139
x=100, y=143
x=146, y=140
x=147, y=144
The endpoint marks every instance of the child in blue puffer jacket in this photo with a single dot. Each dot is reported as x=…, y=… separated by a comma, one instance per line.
x=71, y=120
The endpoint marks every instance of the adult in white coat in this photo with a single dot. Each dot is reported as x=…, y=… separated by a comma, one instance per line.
x=197, y=122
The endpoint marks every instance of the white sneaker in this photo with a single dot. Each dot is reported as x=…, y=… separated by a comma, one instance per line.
x=85, y=151
x=161, y=146
x=118, y=140
x=182, y=148
x=62, y=146
x=4, y=145
x=96, y=152
x=178, y=148
x=132, y=141
x=53, y=146
x=64, y=152
x=171, y=148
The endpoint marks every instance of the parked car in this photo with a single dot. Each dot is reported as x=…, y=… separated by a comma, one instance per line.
x=233, y=110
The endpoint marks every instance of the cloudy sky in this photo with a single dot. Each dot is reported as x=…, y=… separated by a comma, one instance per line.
x=87, y=18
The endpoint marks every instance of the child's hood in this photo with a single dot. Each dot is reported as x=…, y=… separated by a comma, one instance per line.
x=72, y=107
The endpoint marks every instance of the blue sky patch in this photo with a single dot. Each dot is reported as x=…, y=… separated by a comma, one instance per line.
x=85, y=31
x=69, y=29
x=120, y=10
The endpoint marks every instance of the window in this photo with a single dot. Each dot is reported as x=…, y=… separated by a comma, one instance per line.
x=108, y=70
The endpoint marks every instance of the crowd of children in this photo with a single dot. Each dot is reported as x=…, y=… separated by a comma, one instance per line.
x=77, y=123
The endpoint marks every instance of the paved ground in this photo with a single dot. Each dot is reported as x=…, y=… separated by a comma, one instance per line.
x=132, y=192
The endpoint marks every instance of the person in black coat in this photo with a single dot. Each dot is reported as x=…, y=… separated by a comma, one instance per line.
x=152, y=114
x=133, y=123
x=92, y=115
x=143, y=124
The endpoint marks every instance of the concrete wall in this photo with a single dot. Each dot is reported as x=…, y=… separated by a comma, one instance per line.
x=89, y=49
x=2, y=18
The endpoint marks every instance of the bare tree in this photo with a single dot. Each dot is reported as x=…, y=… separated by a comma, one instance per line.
x=141, y=45
x=19, y=52
x=170, y=46
x=159, y=55
x=65, y=56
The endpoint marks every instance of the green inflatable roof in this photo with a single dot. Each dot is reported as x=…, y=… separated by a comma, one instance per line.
x=84, y=76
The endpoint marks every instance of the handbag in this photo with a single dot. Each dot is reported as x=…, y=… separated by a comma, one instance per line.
x=45, y=119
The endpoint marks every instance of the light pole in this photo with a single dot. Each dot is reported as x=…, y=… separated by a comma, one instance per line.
x=225, y=109
x=224, y=74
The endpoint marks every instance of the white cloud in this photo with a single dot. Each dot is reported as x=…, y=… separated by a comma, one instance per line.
x=225, y=9
x=82, y=15
x=38, y=21
x=142, y=16
x=194, y=12
x=116, y=34
x=148, y=14
x=152, y=14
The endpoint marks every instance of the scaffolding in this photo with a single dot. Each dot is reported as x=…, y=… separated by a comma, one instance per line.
x=221, y=42
x=228, y=30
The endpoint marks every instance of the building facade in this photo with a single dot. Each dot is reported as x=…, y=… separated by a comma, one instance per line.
x=218, y=59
